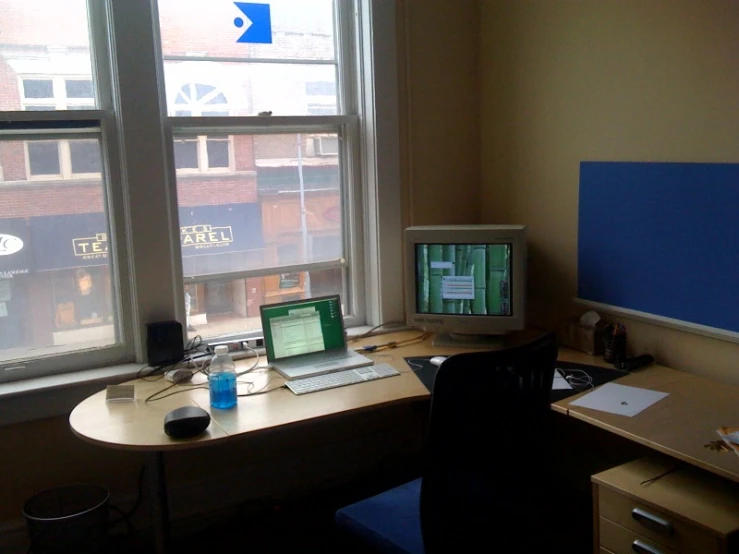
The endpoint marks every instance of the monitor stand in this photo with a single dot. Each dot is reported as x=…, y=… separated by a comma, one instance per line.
x=461, y=340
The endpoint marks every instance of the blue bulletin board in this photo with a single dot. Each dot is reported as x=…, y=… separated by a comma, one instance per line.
x=662, y=239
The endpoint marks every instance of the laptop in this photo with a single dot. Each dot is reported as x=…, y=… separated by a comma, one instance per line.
x=304, y=338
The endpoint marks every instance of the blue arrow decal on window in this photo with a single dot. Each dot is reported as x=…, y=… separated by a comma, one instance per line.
x=258, y=23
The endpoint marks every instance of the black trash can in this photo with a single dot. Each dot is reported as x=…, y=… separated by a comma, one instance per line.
x=72, y=518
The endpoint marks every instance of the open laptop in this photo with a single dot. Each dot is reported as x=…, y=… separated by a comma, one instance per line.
x=304, y=338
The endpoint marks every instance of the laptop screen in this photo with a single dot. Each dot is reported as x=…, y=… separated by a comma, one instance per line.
x=302, y=327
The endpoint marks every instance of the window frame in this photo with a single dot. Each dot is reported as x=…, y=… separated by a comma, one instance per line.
x=345, y=124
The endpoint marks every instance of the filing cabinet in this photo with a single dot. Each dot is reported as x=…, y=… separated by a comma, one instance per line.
x=658, y=505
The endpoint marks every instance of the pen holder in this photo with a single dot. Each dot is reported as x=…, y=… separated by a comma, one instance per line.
x=614, y=345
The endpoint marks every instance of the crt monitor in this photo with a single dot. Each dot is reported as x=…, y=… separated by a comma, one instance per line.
x=466, y=282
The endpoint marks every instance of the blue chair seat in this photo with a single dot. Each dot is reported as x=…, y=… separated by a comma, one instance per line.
x=391, y=521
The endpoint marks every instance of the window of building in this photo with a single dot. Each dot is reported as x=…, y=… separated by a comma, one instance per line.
x=86, y=264
x=60, y=159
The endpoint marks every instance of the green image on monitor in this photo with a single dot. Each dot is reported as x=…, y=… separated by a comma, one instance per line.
x=464, y=279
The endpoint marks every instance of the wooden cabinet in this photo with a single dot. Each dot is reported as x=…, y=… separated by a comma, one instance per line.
x=663, y=506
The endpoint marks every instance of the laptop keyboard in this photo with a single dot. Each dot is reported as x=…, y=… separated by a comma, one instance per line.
x=341, y=378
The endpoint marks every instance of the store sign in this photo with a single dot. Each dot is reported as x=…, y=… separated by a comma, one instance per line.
x=91, y=248
x=10, y=244
x=69, y=241
x=14, y=248
x=206, y=236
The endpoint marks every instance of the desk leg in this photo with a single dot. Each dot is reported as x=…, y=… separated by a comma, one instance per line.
x=158, y=502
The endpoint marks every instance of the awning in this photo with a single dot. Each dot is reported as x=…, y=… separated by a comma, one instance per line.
x=69, y=241
x=220, y=239
x=15, y=246
x=214, y=239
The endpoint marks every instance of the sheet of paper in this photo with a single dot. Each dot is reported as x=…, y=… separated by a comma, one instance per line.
x=619, y=399
x=560, y=383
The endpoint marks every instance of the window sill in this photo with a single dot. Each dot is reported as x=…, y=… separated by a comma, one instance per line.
x=56, y=395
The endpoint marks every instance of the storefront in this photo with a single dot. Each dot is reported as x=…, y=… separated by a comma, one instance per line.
x=219, y=239
x=14, y=275
x=72, y=269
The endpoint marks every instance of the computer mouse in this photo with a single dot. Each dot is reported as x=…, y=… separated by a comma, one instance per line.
x=437, y=360
x=186, y=422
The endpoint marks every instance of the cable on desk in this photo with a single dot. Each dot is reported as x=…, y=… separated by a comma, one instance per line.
x=376, y=328
x=392, y=344
x=262, y=390
x=186, y=388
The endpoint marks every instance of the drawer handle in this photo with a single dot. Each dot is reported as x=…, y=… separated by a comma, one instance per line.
x=652, y=521
x=643, y=548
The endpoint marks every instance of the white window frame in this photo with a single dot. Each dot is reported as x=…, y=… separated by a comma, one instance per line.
x=346, y=125
x=137, y=137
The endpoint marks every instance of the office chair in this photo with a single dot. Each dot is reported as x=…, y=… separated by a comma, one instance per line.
x=485, y=480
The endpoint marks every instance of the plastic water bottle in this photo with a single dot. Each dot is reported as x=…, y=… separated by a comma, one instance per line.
x=222, y=379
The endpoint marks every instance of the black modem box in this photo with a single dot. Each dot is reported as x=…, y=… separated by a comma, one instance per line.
x=164, y=343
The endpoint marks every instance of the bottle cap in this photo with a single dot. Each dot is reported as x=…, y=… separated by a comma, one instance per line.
x=221, y=349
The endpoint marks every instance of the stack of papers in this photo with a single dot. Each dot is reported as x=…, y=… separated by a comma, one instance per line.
x=619, y=399
x=730, y=435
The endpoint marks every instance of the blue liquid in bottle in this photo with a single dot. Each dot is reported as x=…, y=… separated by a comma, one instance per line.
x=222, y=390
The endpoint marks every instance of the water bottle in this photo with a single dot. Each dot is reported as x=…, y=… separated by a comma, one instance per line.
x=222, y=379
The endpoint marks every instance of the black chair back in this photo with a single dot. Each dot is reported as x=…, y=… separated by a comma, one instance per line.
x=485, y=476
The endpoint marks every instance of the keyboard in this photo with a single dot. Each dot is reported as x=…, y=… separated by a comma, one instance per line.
x=341, y=378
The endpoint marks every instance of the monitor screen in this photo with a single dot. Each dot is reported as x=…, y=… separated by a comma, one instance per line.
x=463, y=279
x=302, y=327
x=466, y=279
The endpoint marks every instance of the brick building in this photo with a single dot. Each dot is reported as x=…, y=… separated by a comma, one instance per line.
x=246, y=202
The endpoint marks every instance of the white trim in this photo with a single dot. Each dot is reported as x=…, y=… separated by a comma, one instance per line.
x=382, y=163
x=680, y=325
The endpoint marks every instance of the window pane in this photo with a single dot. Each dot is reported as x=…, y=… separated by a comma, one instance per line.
x=85, y=156
x=56, y=292
x=256, y=211
x=41, y=39
x=43, y=158
x=218, y=153
x=39, y=108
x=246, y=89
x=186, y=154
x=79, y=89
x=38, y=88
x=218, y=309
x=300, y=29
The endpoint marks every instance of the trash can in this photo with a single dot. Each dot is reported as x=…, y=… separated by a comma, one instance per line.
x=71, y=518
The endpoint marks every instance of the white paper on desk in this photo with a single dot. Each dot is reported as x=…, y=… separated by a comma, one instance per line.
x=560, y=383
x=619, y=399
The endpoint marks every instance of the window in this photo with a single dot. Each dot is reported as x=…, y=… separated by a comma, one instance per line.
x=60, y=159
x=272, y=148
x=262, y=215
x=60, y=296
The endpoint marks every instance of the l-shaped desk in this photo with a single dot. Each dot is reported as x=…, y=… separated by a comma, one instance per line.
x=679, y=425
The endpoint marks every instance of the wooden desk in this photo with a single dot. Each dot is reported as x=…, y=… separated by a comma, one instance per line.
x=680, y=424
x=139, y=425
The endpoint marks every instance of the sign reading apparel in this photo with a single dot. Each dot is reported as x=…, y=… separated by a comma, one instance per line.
x=81, y=240
x=14, y=248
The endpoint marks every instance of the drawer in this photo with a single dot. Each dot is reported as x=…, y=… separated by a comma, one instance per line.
x=621, y=540
x=654, y=524
x=602, y=550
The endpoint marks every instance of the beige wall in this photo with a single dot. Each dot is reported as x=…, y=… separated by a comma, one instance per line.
x=440, y=131
x=570, y=80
